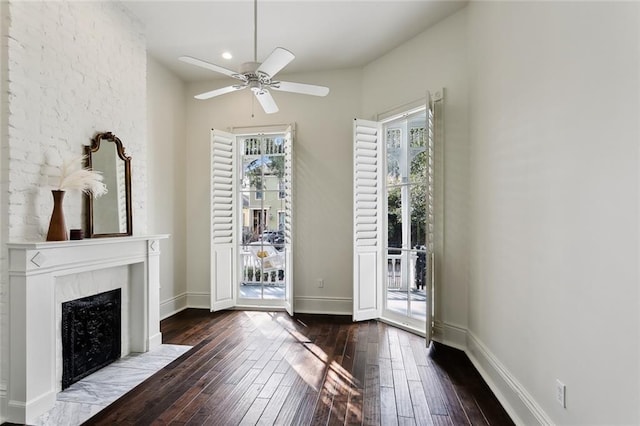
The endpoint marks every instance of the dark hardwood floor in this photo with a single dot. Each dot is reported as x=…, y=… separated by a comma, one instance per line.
x=250, y=367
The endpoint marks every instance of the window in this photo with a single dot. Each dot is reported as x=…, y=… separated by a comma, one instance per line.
x=258, y=190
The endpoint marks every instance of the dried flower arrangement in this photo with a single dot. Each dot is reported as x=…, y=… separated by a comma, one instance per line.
x=75, y=176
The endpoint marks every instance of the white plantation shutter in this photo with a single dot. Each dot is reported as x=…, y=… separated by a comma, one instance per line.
x=288, y=219
x=435, y=202
x=223, y=219
x=430, y=279
x=367, y=229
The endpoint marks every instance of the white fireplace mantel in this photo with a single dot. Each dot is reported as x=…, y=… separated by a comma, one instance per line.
x=33, y=270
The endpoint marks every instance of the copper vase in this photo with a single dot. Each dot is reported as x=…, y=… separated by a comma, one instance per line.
x=57, y=226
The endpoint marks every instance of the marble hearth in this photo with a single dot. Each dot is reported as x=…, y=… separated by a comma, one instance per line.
x=44, y=275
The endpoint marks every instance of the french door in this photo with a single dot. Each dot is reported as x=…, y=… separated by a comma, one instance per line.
x=251, y=220
x=406, y=203
x=393, y=219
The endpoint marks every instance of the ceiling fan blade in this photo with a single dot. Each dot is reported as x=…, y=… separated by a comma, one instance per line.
x=306, y=89
x=277, y=60
x=218, y=92
x=266, y=100
x=212, y=67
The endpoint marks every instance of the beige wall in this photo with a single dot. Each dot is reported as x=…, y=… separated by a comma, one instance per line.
x=322, y=183
x=554, y=210
x=166, y=106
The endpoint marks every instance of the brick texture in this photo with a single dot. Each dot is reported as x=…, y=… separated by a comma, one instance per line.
x=72, y=69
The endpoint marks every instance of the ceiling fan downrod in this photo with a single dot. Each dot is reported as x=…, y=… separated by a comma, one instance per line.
x=255, y=30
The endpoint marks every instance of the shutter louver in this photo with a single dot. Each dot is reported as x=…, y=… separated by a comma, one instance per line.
x=222, y=189
x=288, y=219
x=367, y=188
x=288, y=189
x=431, y=218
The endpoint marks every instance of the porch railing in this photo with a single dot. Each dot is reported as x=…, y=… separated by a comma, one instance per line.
x=253, y=272
x=396, y=271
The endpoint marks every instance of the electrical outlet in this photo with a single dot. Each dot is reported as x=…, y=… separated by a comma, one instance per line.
x=561, y=393
x=320, y=283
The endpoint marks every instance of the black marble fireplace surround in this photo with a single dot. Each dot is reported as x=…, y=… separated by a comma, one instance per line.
x=91, y=335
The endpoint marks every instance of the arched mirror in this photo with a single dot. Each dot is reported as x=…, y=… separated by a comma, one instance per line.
x=109, y=215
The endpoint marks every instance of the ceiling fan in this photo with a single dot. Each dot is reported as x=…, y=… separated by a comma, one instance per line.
x=259, y=77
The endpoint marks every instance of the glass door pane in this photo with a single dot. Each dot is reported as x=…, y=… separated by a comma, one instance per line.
x=406, y=186
x=262, y=252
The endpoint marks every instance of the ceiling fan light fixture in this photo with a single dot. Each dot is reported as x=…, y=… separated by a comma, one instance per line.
x=254, y=85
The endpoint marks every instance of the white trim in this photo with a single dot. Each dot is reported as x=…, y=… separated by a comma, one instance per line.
x=304, y=304
x=517, y=402
x=400, y=110
x=39, y=245
x=323, y=305
x=258, y=303
x=261, y=308
x=450, y=335
x=261, y=130
x=402, y=326
x=173, y=305
x=16, y=410
x=3, y=401
x=199, y=300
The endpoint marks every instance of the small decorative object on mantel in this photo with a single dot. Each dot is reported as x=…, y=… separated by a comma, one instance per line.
x=72, y=177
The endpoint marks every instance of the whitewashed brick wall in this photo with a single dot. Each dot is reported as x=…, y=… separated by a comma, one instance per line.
x=73, y=69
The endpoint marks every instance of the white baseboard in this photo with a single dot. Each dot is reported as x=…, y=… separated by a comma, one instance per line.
x=155, y=341
x=173, y=306
x=450, y=335
x=513, y=396
x=3, y=402
x=27, y=413
x=323, y=305
x=199, y=300
x=302, y=304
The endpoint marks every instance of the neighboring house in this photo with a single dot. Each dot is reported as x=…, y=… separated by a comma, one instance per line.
x=264, y=209
x=538, y=281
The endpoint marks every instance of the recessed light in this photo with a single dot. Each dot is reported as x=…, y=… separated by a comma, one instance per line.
x=227, y=55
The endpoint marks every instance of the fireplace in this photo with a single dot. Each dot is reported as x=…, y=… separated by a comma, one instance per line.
x=45, y=275
x=91, y=334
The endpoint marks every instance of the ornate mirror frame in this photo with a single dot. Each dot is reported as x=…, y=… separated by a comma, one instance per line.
x=90, y=207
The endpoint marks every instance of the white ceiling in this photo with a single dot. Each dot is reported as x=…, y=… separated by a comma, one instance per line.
x=323, y=35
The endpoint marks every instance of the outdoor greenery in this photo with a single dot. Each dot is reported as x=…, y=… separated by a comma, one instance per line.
x=262, y=166
x=418, y=203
